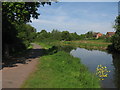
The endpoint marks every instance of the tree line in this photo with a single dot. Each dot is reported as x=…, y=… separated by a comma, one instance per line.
x=56, y=35
x=116, y=38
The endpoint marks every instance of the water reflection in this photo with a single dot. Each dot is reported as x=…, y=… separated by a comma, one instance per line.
x=55, y=49
x=116, y=62
x=66, y=48
x=93, y=58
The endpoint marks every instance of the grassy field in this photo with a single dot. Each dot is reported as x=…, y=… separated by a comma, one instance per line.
x=61, y=70
x=87, y=44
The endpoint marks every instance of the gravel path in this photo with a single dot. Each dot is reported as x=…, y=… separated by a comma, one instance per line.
x=13, y=77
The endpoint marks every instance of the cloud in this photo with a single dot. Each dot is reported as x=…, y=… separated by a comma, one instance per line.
x=79, y=20
x=89, y=0
x=73, y=26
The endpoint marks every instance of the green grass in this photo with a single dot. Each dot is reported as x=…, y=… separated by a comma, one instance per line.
x=61, y=70
x=44, y=45
x=30, y=46
x=88, y=44
x=48, y=43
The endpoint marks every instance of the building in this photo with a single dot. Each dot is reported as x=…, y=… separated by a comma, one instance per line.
x=109, y=34
x=97, y=35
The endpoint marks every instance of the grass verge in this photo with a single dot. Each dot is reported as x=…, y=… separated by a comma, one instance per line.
x=88, y=44
x=61, y=70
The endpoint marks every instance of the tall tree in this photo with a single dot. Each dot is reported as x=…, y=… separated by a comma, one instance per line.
x=116, y=37
x=66, y=36
x=56, y=35
x=16, y=13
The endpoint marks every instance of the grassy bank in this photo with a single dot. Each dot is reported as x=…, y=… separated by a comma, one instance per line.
x=61, y=70
x=88, y=44
x=46, y=44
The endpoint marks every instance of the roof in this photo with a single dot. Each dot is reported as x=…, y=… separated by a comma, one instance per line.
x=110, y=33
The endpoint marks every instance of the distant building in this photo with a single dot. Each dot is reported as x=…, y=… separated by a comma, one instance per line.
x=109, y=34
x=97, y=35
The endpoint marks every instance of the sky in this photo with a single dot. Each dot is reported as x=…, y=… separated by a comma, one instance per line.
x=79, y=17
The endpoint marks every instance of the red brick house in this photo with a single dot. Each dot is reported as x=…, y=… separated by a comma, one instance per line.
x=97, y=35
x=109, y=34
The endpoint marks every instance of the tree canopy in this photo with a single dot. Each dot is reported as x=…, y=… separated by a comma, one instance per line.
x=15, y=33
x=116, y=37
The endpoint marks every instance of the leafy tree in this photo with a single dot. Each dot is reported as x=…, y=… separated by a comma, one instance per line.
x=82, y=36
x=26, y=33
x=44, y=34
x=55, y=34
x=66, y=36
x=16, y=13
x=116, y=37
x=74, y=36
x=89, y=34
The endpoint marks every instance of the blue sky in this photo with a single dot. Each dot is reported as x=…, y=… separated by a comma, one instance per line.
x=79, y=17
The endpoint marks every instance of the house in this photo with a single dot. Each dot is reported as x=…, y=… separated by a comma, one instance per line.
x=109, y=34
x=97, y=35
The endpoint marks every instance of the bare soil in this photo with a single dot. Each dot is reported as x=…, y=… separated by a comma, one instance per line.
x=13, y=77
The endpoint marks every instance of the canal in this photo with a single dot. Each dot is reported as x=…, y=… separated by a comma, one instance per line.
x=93, y=58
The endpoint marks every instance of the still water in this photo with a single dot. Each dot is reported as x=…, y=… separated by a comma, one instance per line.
x=93, y=58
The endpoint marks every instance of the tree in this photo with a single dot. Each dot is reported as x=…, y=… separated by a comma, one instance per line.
x=116, y=37
x=66, y=36
x=16, y=13
x=26, y=33
x=82, y=36
x=89, y=34
x=74, y=36
x=55, y=34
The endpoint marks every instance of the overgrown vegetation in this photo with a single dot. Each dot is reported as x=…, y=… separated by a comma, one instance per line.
x=89, y=44
x=57, y=38
x=16, y=34
x=61, y=70
x=116, y=37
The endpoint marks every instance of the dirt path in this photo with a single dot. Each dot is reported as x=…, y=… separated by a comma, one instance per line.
x=13, y=77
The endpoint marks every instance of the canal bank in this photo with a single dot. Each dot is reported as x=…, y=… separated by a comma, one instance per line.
x=58, y=69
x=93, y=58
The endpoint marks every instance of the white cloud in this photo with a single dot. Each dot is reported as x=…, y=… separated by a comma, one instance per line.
x=61, y=20
x=89, y=0
x=72, y=26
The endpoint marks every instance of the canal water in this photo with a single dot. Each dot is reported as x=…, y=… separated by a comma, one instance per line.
x=93, y=58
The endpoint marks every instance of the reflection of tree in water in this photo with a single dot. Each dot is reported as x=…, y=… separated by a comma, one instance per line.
x=116, y=62
x=66, y=48
x=55, y=49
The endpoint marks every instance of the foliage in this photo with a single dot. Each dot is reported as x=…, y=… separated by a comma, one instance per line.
x=116, y=37
x=66, y=36
x=13, y=15
x=20, y=11
x=82, y=36
x=26, y=33
x=88, y=44
x=108, y=39
x=61, y=70
x=56, y=35
x=89, y=34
